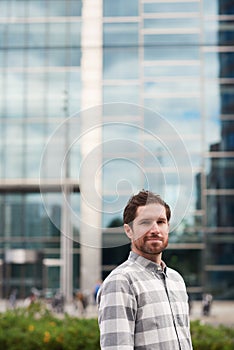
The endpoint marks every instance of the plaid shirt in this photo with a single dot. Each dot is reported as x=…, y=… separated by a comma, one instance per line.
x=142, y=307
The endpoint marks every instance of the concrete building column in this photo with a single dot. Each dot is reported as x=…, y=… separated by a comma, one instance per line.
x=91, y=119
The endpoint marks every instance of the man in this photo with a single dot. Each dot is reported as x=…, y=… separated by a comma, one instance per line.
x=143, y=304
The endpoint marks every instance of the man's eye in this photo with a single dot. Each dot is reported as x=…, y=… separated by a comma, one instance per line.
x=161, y=222
x=146, y=222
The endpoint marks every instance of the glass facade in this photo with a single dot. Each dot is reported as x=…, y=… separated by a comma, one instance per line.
x=167, y=125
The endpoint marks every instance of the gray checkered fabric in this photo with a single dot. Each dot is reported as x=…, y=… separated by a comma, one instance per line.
x=143, y=307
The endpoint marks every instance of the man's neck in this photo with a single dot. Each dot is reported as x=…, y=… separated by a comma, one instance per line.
x=156, y=258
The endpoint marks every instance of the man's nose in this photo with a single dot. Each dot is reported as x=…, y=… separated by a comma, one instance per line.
x=154, y=227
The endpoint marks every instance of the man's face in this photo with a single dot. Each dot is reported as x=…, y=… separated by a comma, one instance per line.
x=149, y=231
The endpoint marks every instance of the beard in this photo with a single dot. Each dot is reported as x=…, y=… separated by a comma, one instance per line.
x=149, y=246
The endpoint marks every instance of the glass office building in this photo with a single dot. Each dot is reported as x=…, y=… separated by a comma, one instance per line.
x=139, y=94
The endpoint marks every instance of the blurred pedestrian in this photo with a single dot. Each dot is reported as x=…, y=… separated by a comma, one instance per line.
x=58, y=302
x=81, y=302
x=12, y=299
x=96, y=289
x=206, y=304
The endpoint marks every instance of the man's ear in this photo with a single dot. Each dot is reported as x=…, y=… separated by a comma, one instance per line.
x=128, y=231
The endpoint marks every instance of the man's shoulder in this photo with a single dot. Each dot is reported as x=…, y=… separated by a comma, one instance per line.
x=122, y=271
x=119, y=280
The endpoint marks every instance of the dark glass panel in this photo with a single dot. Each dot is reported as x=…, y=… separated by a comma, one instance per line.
x=220, y=249
x=226, y=60
x=188, y=264
x=221, y=283
x=220, y=209
x=226, y=7
x=220, y=173
x=114, y=256
x=227, y=99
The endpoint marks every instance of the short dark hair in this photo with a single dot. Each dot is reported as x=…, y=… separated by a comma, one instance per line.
x=141, y=199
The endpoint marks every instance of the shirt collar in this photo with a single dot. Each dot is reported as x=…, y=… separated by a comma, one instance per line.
x=148, y=264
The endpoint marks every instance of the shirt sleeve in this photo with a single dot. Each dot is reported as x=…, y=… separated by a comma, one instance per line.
x=116, y=314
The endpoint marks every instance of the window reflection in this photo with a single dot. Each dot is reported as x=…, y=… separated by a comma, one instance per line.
x=221, y=247
x=15, y=161
x=117, y=62
x=117, y=34
x=39, y=8
x=172, y=39
x=166, y=23
x=169, y=53
x=221, y=209
x=172, y=70
x=178, y=110
x=171, y=7
x=121, y=172
x=191, y=267
x=124, y=93
x=120, y=8
x=36, y=35
x=211, y=7
x=170, y=86
x=219, y=173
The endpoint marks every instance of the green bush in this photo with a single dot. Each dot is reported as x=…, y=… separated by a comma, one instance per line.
x=36, y=328
x=207, y=337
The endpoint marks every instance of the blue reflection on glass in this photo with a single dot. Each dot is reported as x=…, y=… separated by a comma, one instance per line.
x=117, y=62
x=117, y=34
x=120, y=8
x=172, y=7
x=129, y=94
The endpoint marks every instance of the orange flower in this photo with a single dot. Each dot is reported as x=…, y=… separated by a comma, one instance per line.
x=46, y=337
x=31, y=328
x=59, y=339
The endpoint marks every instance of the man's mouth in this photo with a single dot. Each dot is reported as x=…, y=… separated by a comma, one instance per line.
x=154, y=239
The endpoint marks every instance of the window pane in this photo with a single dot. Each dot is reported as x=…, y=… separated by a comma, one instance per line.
x=117, y=34
x=176, y=39
x=120, y=8
x=173, y=70
x=221, y=209
x=170, y=53
x=221, y=283
x=222, y=137
x=171, y=7
x=166, y=23
x=171, y=86
x=220, y=173
x=220, y=249
x=129, y=94
x=118, y=61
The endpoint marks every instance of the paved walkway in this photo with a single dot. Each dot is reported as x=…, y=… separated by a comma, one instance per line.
x=222, y=312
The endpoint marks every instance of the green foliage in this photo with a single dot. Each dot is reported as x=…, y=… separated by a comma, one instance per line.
x=207, y=337
x=36, y=328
